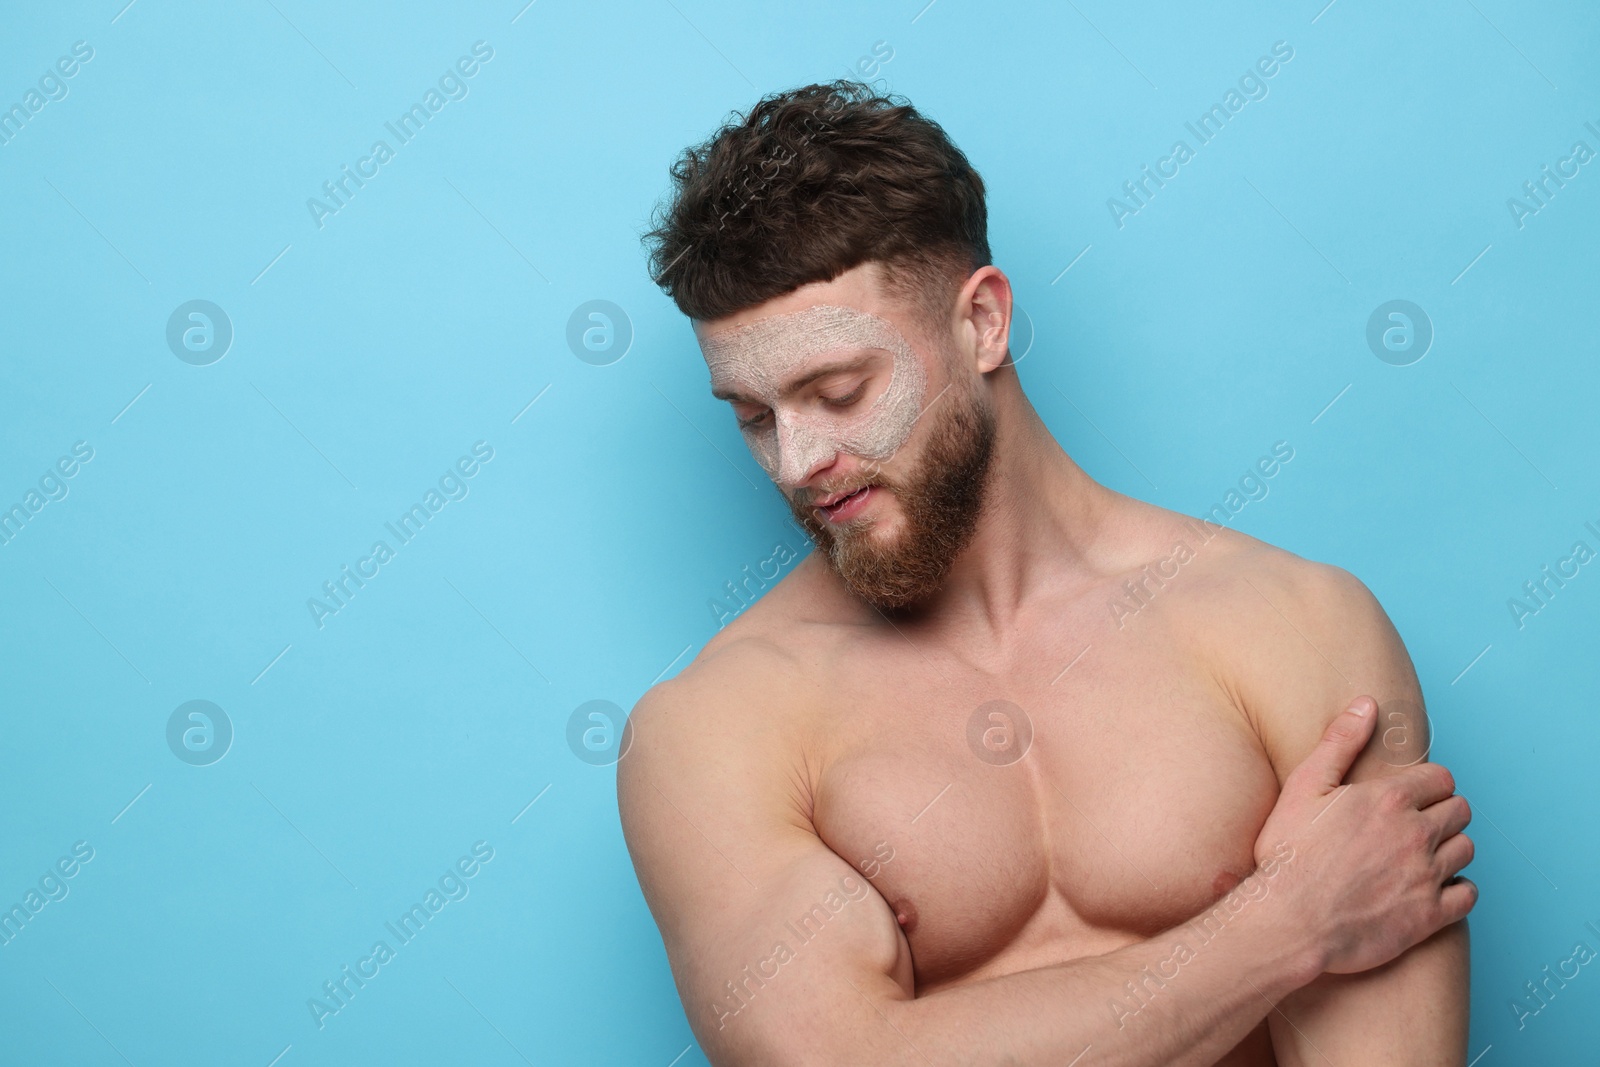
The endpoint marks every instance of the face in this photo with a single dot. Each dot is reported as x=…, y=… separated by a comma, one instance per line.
x=833, y=400
x=801, y=380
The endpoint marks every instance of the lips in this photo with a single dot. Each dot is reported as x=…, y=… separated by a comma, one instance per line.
x=834, y=498
x=845, y=503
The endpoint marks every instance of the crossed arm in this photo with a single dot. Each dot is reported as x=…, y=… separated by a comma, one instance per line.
x=711, y=811
x=1319, y=639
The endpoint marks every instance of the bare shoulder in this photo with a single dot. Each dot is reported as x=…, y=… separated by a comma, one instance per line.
x=733, y=705
x=734, y=724
x=1225, y=578
x=1262, y=582
x=1294, y=640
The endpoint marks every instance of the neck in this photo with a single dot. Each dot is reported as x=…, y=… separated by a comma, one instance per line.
x=1042, y=530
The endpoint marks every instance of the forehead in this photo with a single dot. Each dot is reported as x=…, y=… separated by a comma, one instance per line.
x=763, y=351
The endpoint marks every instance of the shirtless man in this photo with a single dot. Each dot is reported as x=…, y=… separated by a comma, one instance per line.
x=935, y=799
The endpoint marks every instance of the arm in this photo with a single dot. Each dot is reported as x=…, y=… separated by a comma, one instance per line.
x=1412, y=1011
x=712, y=797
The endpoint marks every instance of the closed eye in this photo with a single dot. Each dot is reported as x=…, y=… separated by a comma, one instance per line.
x=848, y=399
x=837, y=402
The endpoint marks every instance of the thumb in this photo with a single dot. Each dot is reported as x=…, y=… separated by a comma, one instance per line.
x=1322, y=771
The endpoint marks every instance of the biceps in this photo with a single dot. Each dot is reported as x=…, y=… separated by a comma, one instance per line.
x=789, y=967
x=1411, y=1012
x=756, y=968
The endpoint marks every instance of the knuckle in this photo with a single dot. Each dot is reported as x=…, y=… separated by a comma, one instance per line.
x=1392, y=798
x=1435, y=775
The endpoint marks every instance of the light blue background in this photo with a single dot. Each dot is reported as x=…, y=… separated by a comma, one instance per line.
x=425, y=316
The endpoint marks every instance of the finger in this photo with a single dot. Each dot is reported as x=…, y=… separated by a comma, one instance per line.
x=1342, y=741
x=1457, y=898
x=1453, y=855
x=1449, y=816
x=1425, y=784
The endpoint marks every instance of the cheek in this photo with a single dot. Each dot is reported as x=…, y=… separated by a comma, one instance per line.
x=883, y=429
x=764, y=447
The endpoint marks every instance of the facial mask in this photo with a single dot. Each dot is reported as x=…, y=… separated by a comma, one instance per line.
x=758, y=358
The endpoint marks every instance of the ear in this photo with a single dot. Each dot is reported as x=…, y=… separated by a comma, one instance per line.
x=984, y=308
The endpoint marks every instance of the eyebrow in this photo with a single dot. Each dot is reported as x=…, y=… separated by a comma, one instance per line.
x=800, y=383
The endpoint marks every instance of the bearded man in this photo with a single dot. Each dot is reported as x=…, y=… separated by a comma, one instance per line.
x=934, y=799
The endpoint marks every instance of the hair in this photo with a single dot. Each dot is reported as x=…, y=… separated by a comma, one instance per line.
x=810, y=183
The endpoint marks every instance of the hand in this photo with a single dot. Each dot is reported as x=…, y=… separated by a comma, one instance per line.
x=1373, y=868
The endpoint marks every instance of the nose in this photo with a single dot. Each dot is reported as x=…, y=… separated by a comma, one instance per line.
x=802, y=451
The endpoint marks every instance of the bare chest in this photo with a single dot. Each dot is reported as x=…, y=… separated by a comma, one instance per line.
x=1041, y=813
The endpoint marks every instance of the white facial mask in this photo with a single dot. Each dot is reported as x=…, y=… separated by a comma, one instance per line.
x=758, y=358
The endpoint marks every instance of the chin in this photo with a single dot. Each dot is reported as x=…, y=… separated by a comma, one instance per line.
x=888, y=527
x=884, y=524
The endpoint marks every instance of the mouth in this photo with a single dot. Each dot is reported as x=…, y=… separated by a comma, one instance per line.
x=840, y=506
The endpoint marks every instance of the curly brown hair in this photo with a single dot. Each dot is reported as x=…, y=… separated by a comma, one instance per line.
x=808, y=184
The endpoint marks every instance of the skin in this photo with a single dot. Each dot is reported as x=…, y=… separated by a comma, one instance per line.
x=1200, y=752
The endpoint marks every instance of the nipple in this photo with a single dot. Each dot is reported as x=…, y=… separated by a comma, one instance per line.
x=905, y=913
x=1223, y=884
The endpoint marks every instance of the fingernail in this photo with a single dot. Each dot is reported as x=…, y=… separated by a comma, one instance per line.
x=1362, y=706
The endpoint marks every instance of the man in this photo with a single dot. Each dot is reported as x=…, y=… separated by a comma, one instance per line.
x=1015, y=769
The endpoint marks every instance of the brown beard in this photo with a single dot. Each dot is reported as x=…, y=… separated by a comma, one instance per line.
x=942, y=502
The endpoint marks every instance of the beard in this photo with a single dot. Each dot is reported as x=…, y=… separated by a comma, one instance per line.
x=942, y=502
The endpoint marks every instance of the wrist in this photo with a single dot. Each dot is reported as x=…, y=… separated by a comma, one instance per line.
x=1299, y=950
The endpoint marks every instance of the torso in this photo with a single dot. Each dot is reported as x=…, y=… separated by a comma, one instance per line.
x=1136, y=805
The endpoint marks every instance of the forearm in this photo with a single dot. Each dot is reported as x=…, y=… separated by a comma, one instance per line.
x=1182, y=998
